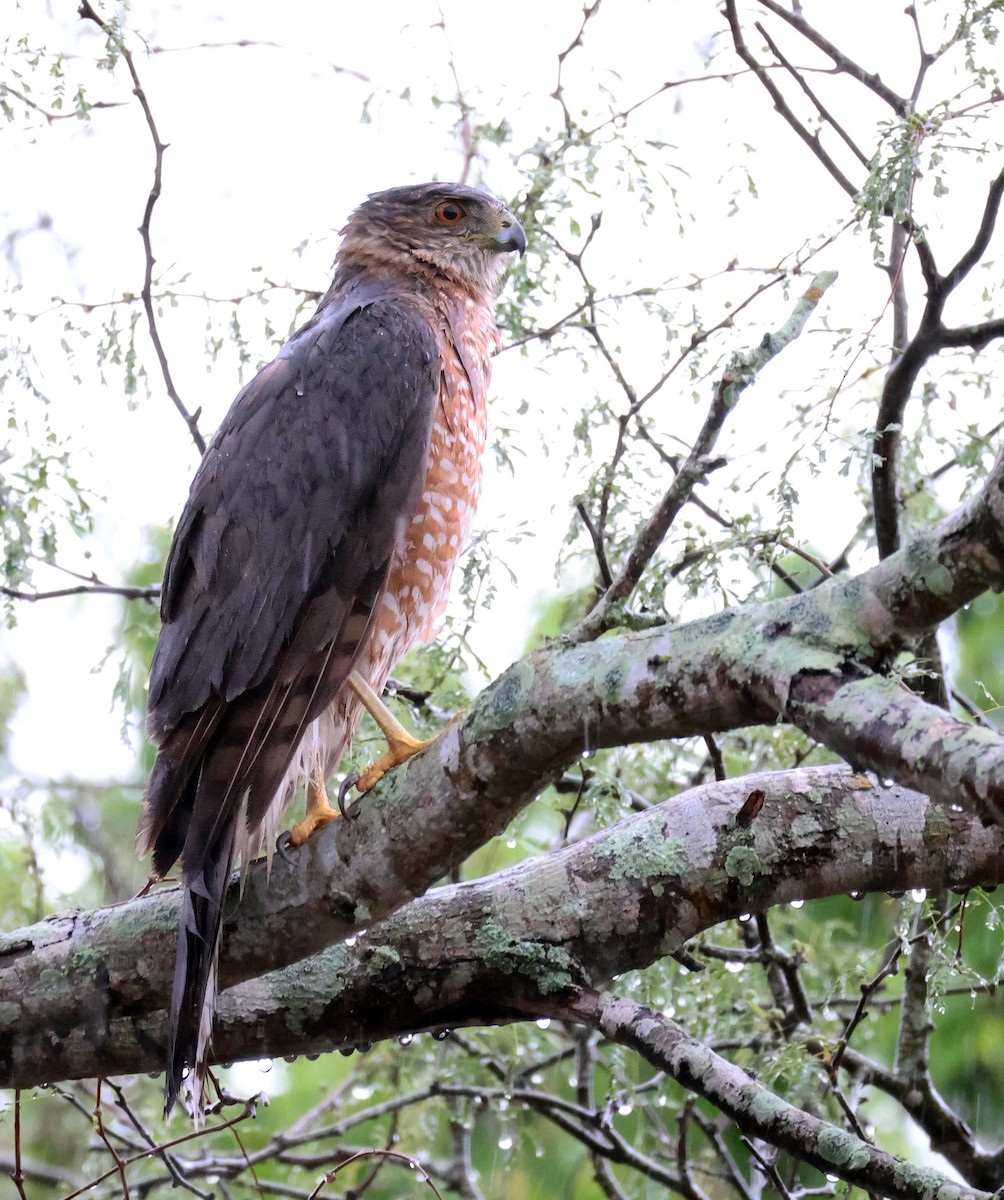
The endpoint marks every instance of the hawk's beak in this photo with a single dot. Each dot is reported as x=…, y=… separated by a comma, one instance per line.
x=510, y=237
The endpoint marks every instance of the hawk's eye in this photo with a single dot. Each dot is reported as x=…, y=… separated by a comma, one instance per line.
x=450, y=213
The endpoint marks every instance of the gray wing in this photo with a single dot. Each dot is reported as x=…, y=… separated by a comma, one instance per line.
x=289, y=527
x=277, y=563
x=326, y=442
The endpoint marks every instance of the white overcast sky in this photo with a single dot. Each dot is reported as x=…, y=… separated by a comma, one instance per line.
x=267, y=148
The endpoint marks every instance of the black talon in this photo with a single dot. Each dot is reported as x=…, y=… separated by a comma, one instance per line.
x=349, y=812
x=284, y=847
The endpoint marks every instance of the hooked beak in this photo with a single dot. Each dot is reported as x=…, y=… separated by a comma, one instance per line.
x=510, y=237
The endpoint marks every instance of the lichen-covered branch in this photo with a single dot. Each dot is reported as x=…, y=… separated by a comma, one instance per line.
x=491, y=950
x=949, y=1134
x=758, y=1111
x=786, y=658
x=83, y=993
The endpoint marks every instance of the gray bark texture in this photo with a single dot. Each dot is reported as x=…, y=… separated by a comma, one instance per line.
x=347, y=944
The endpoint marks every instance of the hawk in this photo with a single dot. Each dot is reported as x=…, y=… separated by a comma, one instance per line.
x=315, y=549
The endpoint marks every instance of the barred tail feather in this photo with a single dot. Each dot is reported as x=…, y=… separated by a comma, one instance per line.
x=217, y=790
x=193, y=994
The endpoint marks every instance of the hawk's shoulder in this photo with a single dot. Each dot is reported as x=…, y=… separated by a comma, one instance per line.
x=305, y=451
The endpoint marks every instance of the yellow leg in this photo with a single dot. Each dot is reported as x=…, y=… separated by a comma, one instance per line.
x=319, y=811
x=401, y=745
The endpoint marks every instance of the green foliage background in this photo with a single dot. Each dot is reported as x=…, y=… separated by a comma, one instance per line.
x=509, y=1095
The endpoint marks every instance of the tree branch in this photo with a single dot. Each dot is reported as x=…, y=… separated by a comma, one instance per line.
x=949, y=1135
x=126, y=591
x=931, y=338
x=780, y=104
x=88, y=13
x=741, y=372
x=790, y=658
x=474, y=953
x=755, y=1109
x=982, y=239
x=844, y=64
x=798, y=77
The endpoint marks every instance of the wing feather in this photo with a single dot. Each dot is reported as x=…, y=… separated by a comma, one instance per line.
x=292, y=475
x=277, y=564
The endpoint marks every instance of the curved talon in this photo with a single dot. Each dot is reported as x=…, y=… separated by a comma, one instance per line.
x=284, y=847
x=349, y=811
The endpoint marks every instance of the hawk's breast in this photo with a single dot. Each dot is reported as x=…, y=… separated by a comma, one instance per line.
x=418, y=584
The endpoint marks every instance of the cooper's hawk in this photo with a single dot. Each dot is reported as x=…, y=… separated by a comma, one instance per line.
x=318, y=540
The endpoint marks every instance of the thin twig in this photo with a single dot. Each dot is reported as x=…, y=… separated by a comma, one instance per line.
x=84, y=589
x=844, y=64
x=17, y=1175
x=588, y=12
x=810, y=139
x=740, y=373
x=88, y=13
x=606, y=578
x=798, y=75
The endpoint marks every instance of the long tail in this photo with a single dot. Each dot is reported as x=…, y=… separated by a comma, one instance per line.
x=216, y=790
x=193, y=994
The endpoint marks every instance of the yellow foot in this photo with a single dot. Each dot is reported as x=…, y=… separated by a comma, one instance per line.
x=314, y=820
x=400, y=748
x=319, y=812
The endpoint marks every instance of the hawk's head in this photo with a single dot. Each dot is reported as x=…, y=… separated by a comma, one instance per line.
x=459, y=231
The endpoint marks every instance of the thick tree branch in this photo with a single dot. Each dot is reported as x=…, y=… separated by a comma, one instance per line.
x=884, y=727
x=810, y=658
x=478, y=953
x=973, y=336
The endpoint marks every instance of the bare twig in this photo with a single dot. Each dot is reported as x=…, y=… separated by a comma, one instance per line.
x=843, y=63
x=739, y=375
x=798, y=75
x=247, y=1111
x=465, y=126
x=85, y=589
x=88, y=13
x=588, y=12
x=606, y=579
x=810, y=139
x=48, y=114
x=931, y=337
x=583, y=1122
x=117, y=1159
x=17, y=1175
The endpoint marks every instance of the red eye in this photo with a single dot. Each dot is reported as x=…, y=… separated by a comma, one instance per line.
x=450, y=213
